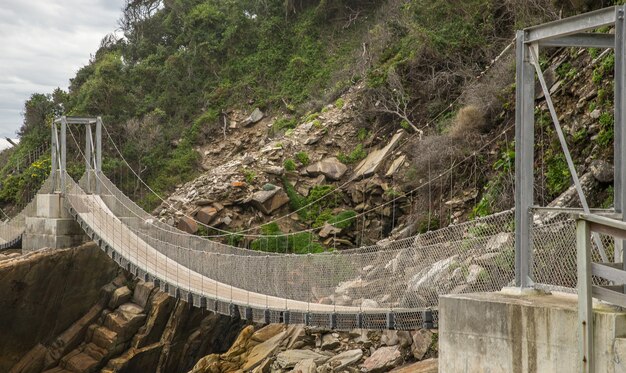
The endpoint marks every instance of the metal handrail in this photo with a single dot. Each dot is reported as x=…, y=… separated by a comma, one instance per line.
x=586, y=225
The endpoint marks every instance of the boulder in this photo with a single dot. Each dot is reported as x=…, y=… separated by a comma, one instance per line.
x=206, y=214
x=119, y=297
x=382, y=360
x=338, y=362
x=161, y=305
x=389, y=338
x=422, y=339
x=330, y=167
x=188, y=225
x=142, y=293
x=602, y=171
x=305, y=366
x=289, y=358
x=475, y=272
x=375, y=159
x=125, y=321
x=329, y=342
x=275, y=170
x=329, y=230
x=254, y=117
x=262, y=351
x=431, y=274
x=426, y=366
x=267, y=332
x=268, y=201
x=395, y=166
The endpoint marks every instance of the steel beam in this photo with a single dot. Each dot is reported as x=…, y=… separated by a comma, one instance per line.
x=88, y=149
x=585, y=310
x=620, y=124
x=98, y=151
x=581, y=40
x=524, y=172
x=63, y=152
x=76, y=120
x=571, y=25
x=53, y=155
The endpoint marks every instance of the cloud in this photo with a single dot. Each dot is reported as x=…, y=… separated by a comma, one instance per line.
x=43, y=45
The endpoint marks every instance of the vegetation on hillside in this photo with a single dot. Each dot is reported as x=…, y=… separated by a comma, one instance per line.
x=164, y=83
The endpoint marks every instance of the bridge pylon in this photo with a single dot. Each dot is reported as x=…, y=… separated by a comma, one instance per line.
x=92, y=152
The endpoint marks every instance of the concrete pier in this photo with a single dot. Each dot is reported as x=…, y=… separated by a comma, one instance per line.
x=52, y=226
x=507, y=332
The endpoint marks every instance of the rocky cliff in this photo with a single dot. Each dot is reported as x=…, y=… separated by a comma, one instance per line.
x=73, y=310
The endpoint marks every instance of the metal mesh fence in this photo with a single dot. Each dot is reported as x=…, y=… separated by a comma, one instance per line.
x=343, y=289
x=398, y=277
x=11, y=231
x=554, y=253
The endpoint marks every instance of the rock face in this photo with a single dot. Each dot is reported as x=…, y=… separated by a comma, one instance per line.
x=331, y=167
x=44, y=293
x=299, y=349
x=74, y=310
x=255, y=117
x=206, y=214
x=374, y=160
x=268, y=201
x=188, y=225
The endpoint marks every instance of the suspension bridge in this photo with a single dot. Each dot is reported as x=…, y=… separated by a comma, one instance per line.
x=388, y=285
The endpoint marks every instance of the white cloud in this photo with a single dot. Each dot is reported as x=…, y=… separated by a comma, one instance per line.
x=43, y=44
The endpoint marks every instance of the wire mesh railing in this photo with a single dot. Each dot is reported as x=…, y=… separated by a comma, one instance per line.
x=402, y=276
x=11, y=230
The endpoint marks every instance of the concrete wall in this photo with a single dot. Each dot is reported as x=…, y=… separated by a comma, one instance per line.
x=500, y=332
x=52, y=227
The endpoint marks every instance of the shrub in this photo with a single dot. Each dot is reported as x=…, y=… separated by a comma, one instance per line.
x=289, y=165
x=343, y=220
x=354, y=156
x=339, y=103
x=284, y=124
x=249, y=175
x=273, y=240
x=558, y=177
x=469, y=120
x=303, y=158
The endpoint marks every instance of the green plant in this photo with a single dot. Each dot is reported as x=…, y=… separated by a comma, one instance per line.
x=249, y=175
x=392, y=193
x=303, y=158
x=296, y=201
x=558, y=177
x=274, y=240
x=566, y=71
x=606, y=134
x=608, y=201
x=362, y=134
x=289, y=165
x=405, y=125
x=284, y=124
x=506, y=161
x=339, y=103
x=354, y=156
x=343, y=220
x=580, y=135
x=311, y=117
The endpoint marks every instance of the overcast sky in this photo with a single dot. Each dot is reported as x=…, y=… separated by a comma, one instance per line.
x=42, y=45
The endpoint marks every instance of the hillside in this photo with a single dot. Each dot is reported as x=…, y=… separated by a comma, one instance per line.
x=175, y=86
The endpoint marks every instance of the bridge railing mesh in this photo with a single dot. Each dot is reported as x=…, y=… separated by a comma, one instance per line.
x=11, y=231
x=399, y=276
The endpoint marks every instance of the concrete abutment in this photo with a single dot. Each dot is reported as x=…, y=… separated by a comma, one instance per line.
x=52, y=226
x=505, y=332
